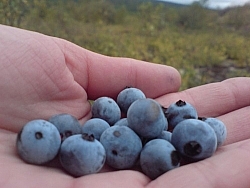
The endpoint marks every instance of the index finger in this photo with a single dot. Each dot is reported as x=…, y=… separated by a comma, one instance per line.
x=101, y=75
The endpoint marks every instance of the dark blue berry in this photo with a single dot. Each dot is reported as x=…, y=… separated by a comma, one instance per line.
x=122, y=145
x=66, y=124
x=95, y=126
x=38, y=142
x=127, y=96
x=194, y=139
x=122, y=122
x=146, y=118
x=107, y=109
x=178, y=112
x=82, y=154
x=166, y=135
x=219, y=128
x=157, y=157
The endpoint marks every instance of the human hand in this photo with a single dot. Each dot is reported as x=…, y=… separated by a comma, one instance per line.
x=48, y=75
x=42, y=76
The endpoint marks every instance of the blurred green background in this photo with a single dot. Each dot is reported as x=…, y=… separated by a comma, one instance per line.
x=204, y=45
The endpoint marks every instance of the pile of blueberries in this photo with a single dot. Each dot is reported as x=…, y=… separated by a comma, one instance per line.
x=133, y=131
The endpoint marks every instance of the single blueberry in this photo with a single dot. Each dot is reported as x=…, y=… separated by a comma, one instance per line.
x=127, y=96
x=66, y=124
x=157, y=157
x=194, y=139
x=95, y=126
x=178, y=112
x=219, y=128
x=166, y=135
x=122, y=145
x=122, y=122
x=38, y=142
x=107, y=109
x=82, y=154
x=146, y=118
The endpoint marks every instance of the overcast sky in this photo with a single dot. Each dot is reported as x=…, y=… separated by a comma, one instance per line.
x=214, y=3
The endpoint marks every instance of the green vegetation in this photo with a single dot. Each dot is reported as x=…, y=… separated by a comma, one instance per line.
x=204, y=45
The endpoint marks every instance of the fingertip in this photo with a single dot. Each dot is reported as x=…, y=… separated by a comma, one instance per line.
x=164, y=79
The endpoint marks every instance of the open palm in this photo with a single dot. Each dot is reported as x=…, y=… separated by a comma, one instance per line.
x=41, y=76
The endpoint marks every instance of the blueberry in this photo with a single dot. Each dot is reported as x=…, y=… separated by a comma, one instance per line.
x=219, y=128
x=38, y=142
x=67, y=125
x=194, y=139
x=122, y=122
x=157, y=157
x=82, y=154
x=166, y=135
x=107, y=109
x=127, y=96
x=178, y=112
x=95, y=126
x=146, y=118
x=122, y=145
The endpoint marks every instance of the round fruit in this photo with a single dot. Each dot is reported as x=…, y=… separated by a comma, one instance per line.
x=66, y=124
x=122, y=145
x=194, y=139
x=82, y=154
x=38, y=142
x=146, y=118
x=157, y=157
x=127, y=96
x=178, y=112
x=219, y=128
x=95, y=126
x=107, y=109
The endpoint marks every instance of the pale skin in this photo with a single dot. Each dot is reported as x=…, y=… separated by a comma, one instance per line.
x=42, y=75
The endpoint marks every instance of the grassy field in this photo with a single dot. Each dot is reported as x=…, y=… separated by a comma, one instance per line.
x=204, y=45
